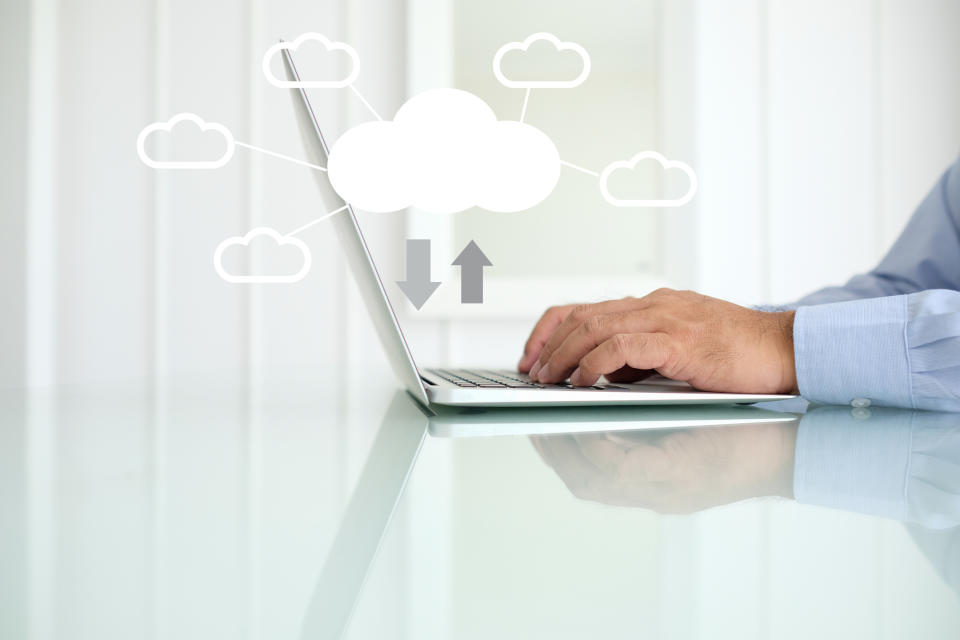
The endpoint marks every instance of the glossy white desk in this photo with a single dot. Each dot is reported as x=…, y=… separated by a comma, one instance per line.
x=191, y=511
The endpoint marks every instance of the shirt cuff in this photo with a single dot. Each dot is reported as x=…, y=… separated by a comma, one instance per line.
x=855, y=349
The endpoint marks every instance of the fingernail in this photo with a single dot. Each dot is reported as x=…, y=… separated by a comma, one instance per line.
x=535, y=370
x=575, y=377
x=544, y=372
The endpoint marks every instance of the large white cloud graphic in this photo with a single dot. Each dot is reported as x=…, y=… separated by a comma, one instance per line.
x=524, y=46
x=275, y=239
x=328, y=45
x=193, y=120
x=444, y=152
x=631, y=164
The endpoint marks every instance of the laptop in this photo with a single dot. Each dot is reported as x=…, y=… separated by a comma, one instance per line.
x=480, y=387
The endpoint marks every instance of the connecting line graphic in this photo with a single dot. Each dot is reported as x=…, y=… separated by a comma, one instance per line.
x=573, y=166
x=365, y=103
x=523, y=111
x=318, y=220
x=278, y=155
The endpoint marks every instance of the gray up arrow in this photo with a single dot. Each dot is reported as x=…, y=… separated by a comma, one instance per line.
x=418, y=286
x=471, y=261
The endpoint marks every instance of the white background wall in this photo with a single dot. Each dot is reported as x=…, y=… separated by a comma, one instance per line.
x=815, y=128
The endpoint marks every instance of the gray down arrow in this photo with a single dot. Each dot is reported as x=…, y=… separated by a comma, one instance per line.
x=418, y=287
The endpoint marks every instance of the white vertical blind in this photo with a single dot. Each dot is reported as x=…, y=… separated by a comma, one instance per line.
x=821, y=143
x=730, y=115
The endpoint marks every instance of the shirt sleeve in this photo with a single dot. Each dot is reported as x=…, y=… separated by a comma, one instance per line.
x=899, y=351
x=925, y=256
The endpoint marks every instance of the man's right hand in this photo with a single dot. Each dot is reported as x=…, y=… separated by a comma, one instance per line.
x=712, y=344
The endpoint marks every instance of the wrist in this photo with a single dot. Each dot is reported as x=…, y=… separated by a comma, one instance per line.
x=788, y=367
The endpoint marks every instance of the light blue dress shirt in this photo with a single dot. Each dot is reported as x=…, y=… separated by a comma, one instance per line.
x=891, y=336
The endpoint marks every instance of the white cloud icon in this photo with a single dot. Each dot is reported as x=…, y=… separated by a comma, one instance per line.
x=631, y=164
x=444, y=152
x=541, y=84
x=279, y=240
x=168, y=126
x=329, y=45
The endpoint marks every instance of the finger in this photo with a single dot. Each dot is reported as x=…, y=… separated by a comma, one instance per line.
x=544, y=328
x=628, y=374
x=579, y=314
x=591, y=333
x=637, y=350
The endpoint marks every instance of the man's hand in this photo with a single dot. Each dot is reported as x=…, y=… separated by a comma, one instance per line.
x=712, y=344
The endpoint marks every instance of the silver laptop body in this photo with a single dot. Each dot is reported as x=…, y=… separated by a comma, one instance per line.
x=465, y=387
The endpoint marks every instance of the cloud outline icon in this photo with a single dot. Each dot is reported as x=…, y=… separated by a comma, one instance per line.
x=631, y=164
x=245, y=240
x=541, y=84
x=168, y=126
x=329, y=45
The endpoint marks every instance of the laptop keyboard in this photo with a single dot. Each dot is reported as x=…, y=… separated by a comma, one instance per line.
x=495, y=379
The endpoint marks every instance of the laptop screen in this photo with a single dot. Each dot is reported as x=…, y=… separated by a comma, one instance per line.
x=354, y=247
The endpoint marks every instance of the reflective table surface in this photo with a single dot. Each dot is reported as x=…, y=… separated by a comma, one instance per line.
x=197, y=510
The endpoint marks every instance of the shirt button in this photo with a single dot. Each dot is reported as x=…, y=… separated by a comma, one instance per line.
x=860, y=413
x=860, y=403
